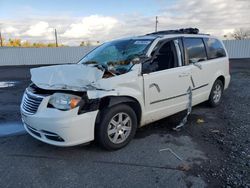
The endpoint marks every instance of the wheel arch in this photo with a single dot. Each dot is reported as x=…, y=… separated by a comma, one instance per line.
x=222, y=79
x=109, y=101
x=219, y=75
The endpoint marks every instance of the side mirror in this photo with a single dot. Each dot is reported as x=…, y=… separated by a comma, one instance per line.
x=136, y=60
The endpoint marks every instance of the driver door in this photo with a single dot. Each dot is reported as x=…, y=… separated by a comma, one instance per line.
x=165, y=88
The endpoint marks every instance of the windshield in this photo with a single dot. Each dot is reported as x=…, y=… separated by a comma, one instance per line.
x=117, y=55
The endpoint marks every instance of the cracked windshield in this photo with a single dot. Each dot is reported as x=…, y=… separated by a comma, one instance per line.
x=117, y=56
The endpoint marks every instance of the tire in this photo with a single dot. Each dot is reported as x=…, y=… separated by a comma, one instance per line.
x=216, y=93
x=117, y=127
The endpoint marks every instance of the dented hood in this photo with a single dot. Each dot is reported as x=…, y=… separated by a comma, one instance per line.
x=66, y=77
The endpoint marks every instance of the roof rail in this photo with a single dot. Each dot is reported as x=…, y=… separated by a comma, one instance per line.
x=177, y=31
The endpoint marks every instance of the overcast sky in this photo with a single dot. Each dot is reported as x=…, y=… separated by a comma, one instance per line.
x=79, y=20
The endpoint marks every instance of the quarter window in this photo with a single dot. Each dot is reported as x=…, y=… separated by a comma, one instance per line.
x=195, y=50
x=215, y=48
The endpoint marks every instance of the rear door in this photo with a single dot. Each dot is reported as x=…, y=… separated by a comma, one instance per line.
x=196, y=57
x=166, y=85
x=206, y=57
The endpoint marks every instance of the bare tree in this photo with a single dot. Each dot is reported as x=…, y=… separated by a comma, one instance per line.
x=241, y=34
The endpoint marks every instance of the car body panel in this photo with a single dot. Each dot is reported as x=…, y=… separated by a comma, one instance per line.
x=165, y=92
x=73, y=128
x=65, y=77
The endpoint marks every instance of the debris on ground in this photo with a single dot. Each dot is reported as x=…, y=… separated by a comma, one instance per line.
x=171, y=151
x=184, y=167
x=215, y=131
x=200, y=120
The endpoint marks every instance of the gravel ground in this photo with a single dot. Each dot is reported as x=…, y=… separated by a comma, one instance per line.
x=214, y=146
x=227, y=140
x=225, y=133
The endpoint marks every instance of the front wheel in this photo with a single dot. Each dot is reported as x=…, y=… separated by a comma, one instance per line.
x=117, y=127
x=216, y=93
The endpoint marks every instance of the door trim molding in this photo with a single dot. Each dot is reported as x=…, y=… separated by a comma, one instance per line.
x=169, y=98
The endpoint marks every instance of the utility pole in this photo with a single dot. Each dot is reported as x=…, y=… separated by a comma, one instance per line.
x=1, y=39
x=156, y=23
x=56, y=38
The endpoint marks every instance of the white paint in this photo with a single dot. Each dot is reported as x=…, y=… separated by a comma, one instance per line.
x=67, y=77
x=73, y=128
x=170, y=84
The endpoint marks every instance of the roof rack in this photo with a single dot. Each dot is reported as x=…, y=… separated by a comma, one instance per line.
x=177, y=31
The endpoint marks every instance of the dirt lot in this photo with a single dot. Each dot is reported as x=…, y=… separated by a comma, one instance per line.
x=212, y=150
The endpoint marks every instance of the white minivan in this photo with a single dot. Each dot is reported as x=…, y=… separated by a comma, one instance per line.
x=123, y=85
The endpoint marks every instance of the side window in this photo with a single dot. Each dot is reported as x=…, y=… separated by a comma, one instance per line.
x=195, y=50
x=166, y=57
x=215, y=48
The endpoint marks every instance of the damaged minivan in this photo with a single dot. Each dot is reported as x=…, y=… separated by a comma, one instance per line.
x=123, y=85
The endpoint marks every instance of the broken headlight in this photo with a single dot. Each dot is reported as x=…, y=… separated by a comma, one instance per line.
x=64, y=101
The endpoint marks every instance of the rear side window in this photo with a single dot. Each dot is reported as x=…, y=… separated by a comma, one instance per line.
x=195, y=50
x=215, y=48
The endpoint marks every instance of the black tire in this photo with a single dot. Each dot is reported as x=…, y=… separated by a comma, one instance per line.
x=112, y=113
x=215, y=98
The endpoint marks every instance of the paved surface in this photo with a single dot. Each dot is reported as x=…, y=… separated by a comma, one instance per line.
x=212, y=150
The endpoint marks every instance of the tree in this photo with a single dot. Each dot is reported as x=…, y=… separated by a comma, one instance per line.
x=26, y=44
x=39, y=45
x=241, y=34
x=14, y=43
x=85, y=43
x=51, y=45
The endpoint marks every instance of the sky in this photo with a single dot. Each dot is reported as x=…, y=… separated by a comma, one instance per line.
x=96, y=20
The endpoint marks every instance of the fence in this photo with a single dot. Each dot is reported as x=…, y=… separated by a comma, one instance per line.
x=63, y=55
x=39, y=56
x=238, y=48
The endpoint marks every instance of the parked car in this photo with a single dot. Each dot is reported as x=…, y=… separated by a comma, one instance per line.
x=123, y=85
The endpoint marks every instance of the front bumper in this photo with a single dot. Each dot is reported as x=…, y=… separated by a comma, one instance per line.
x=60, y=128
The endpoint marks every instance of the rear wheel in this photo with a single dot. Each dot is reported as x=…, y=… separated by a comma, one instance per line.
x=117, y=127
x=216, y=93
